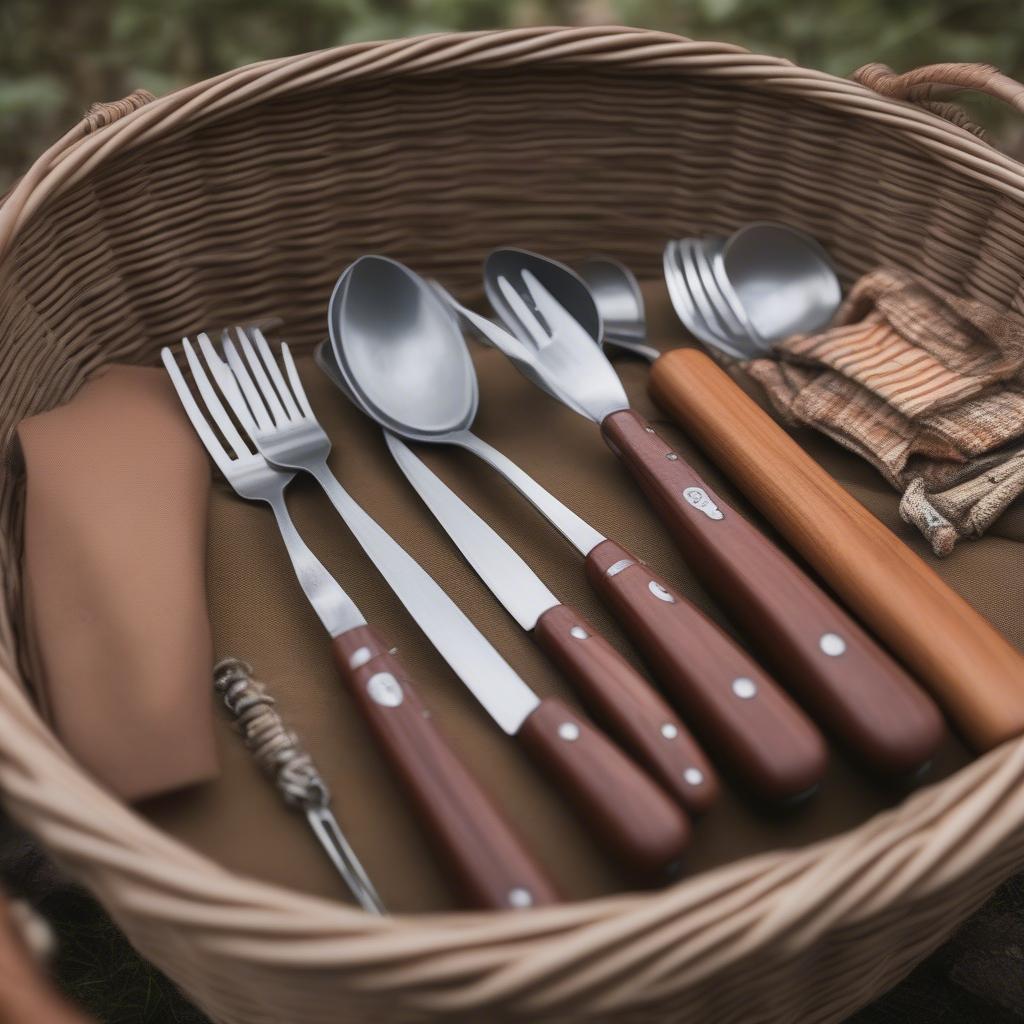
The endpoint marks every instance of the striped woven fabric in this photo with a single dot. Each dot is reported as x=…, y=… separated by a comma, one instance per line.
x=926, y=385
x=876, y=355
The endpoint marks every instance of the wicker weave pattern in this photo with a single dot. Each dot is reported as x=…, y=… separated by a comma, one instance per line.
x=145, y=223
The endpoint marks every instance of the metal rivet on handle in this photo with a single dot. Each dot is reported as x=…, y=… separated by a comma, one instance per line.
x=669, y=731
x=569, y=731
x=832, y=644
x=617, y=567
x=579, y=633
x=694, y=776
x=671, y=456
x=385, y=689
x=360, y=656
x=744, y=688
x=660, y=592
x=650, y=430
x=520, y=898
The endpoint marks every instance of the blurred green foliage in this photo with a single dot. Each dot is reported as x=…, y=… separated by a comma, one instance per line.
x=56, y=56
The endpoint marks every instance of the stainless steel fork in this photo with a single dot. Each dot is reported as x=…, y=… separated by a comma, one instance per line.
x=277, y=416
x=254, y=478
x=486, y=857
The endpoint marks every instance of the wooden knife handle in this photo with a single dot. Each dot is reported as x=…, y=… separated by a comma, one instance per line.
x=487, y=860
x=976, y=674
x=815, y=648
x=635, y=818
x=629, y=707
x=745, y=721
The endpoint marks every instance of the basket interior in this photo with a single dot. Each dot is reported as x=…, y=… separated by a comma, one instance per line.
x=252, y=216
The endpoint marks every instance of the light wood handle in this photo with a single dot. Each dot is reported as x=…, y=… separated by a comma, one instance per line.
x=974, y=672
x=629, y=707
x=747, y=724
x=486, y=858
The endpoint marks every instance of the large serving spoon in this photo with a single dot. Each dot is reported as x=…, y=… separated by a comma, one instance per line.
x=400, y=356
x=847, y=681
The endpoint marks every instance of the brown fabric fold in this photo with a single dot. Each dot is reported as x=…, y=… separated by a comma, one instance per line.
x=925, y=385
x=115, y=538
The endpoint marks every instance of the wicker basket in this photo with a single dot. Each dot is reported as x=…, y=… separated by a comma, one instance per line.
x=434, y=149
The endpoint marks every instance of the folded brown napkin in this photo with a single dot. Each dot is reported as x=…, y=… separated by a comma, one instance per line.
x=116, y=498
x=926, y=385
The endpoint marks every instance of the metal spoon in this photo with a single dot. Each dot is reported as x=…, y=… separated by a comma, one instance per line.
x=620, y=304
x=781, y=280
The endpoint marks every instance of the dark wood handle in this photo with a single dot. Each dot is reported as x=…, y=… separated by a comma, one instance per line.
x=636, y=819
x=816, y=649
x=487, y=860
x=747, y=724
x=629, y=707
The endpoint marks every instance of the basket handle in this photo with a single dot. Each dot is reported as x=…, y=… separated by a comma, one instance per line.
x=926, y=85
x=99, y=115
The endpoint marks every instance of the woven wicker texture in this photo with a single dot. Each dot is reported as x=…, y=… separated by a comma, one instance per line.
x=244, y=195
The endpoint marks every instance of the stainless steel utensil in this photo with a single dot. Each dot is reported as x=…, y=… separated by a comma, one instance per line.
x=681, y=286
x=485, y=854
x=839, y=671
x=781, y=278
x=704, y=253
x=277, y=751
x=620, y=304
x=633, y=815
x=627, y=705
x=397, y=352
x=744, y=294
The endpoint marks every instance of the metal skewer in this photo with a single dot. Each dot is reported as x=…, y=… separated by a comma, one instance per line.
x=277, y=751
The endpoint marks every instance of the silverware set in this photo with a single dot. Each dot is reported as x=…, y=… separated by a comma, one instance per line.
x=397, y=352
x=743, y=294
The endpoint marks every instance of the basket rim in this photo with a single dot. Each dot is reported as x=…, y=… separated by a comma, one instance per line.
x=89, y=143
x=463, y=959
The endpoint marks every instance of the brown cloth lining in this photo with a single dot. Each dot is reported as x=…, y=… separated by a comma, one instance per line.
x=259, y=614
x=115, y=510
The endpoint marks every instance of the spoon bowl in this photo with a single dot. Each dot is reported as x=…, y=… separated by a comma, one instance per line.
x=620, y=302
x=616, y=292
x=402, y=358
x=781, y=279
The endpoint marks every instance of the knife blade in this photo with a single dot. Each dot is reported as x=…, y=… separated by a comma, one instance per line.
x=507, y=576
x=639, y=717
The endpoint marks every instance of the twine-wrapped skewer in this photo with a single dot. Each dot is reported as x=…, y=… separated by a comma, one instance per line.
x=276, y=749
